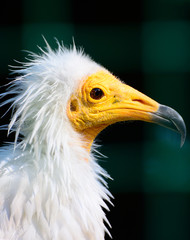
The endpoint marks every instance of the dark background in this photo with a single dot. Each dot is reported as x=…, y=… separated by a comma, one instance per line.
x=147, y=44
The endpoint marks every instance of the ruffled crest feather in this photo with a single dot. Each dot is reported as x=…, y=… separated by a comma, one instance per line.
x=59, y=195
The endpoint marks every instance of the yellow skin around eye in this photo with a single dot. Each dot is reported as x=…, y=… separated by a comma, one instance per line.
x=120, y=102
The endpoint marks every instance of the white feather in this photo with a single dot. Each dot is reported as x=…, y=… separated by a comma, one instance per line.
x=47, y=189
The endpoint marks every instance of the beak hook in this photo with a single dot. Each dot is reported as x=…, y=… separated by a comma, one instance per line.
x=168, y=117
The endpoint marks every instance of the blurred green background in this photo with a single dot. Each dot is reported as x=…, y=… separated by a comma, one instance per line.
x=147, y=44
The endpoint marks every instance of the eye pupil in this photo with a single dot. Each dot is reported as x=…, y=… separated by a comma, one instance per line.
x=96, y=93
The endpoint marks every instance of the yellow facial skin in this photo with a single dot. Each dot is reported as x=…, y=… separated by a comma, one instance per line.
x=102, y=100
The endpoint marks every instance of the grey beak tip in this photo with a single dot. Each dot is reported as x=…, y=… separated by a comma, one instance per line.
x=170, y=118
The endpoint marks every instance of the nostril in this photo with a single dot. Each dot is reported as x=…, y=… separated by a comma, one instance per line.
x=144, y=102
x=139, y=100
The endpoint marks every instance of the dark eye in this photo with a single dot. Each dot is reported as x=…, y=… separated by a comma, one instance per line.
x=96, y=93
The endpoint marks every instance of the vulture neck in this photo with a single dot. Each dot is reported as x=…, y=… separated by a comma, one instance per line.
x=69, y=191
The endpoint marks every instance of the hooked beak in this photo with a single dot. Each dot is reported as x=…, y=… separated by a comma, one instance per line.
x=168, y=117
x=138, y=106
x=135, y=105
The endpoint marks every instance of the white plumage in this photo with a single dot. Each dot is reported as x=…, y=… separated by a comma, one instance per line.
x=51, y=187
x=47, y=190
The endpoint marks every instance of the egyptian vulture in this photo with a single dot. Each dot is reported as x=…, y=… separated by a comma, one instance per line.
x=51, y=186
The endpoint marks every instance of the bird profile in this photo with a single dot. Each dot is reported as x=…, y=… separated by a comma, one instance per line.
x=51, y=185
